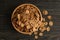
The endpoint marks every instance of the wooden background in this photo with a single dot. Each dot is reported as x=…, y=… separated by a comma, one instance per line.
x=7, y=32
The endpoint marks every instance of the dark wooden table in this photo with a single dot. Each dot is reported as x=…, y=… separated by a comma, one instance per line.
x=7, y=32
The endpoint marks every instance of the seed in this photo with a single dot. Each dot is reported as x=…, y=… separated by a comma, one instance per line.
x=40, y=34
x=48, y=28
x=50, y=23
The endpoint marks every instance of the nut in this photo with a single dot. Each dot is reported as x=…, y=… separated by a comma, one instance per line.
x=48, y=29
x=45, y=12
x=40, y=34
x=50, y=23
